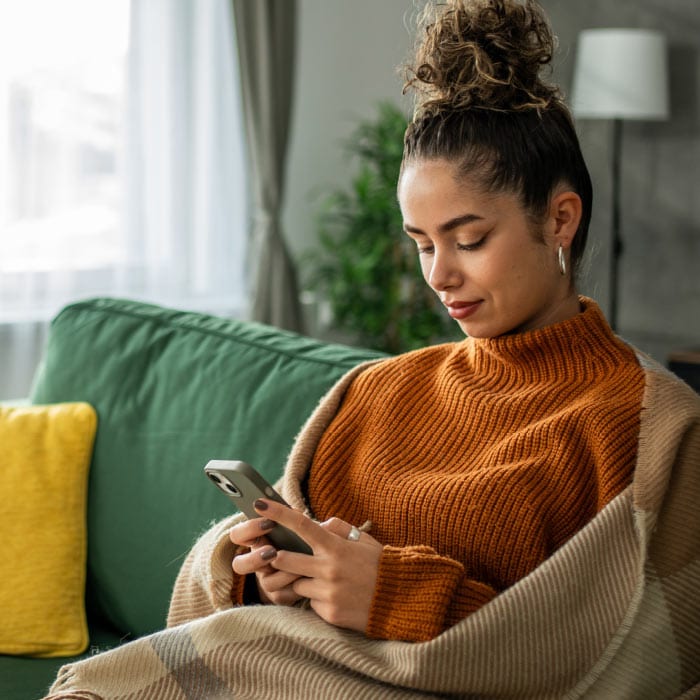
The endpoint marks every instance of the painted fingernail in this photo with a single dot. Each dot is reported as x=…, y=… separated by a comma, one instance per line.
x=260, y=505
x=268, y=554
x=267, y=524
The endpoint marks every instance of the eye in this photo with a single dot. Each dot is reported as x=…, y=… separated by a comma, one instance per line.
x=471, y=246
x=425, y=249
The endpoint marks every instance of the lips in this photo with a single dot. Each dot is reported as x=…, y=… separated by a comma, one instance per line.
x=460, y=310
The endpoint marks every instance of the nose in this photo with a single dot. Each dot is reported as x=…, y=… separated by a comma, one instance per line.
x=443, y=273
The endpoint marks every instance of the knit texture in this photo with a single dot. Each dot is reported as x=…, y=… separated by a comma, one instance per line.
x=613, y=613
x=475, y=461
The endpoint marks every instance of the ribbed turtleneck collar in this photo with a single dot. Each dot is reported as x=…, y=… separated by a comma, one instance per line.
x=579, y=346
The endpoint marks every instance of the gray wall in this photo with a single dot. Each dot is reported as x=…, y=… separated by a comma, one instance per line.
x=659, y=302
x=348, y=54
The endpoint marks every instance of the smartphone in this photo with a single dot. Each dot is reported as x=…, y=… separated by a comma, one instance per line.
x=243, y=485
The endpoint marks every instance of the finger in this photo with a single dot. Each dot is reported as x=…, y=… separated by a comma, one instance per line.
x=338, y=527
x=297, y=565
x=249, y=532
x=306, y=588
x=286, y=596
x=275, y=581
x=295, y=520
x=254, y=561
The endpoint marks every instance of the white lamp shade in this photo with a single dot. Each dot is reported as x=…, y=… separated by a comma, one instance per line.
x=621, y=74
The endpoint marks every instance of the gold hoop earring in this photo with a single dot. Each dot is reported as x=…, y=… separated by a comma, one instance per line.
x=562, y=260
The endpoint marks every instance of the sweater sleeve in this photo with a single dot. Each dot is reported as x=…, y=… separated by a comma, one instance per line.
x=419, y=594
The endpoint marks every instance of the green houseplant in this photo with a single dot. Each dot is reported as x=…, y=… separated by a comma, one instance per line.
x=365, y=266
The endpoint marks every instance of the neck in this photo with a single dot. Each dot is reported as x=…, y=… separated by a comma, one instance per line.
x=565, y=308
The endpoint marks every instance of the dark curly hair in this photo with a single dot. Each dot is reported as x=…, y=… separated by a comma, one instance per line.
x=482, y=103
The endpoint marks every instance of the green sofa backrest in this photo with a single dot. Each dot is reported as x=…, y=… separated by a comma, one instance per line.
x=173, y=390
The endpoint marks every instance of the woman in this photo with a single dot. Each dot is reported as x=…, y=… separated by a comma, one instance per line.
x=522, y=502
x=474, y=462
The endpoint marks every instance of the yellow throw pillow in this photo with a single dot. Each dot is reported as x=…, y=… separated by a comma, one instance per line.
x=45, y=454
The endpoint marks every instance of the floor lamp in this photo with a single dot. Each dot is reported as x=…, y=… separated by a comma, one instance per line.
x=620, y=74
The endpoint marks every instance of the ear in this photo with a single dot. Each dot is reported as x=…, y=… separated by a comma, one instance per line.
x=564, y=217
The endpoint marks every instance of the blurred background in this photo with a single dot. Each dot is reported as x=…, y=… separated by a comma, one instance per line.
x=239, y=158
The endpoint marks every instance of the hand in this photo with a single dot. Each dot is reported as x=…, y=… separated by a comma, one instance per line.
x=339, y=578
x=273, y=586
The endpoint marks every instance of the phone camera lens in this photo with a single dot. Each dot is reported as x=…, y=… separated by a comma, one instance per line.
x=232, y=489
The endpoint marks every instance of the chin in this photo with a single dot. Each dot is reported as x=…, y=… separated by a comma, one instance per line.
x=478, y=330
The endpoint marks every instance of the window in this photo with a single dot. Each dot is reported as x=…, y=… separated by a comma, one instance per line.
x=121, y=155
x=62, y=87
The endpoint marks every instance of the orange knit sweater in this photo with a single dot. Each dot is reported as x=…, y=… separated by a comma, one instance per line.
x=475, y=461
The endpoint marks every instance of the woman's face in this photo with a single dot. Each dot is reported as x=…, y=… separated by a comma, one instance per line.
x=480, y=255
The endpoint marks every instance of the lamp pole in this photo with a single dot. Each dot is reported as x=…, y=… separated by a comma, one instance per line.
x=620, y=74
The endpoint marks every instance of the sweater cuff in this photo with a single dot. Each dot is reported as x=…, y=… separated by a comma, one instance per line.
x=239, y=590
x=415, y=587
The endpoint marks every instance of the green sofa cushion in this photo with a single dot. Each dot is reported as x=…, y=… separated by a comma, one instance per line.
x=173, y=390
x=25, y=678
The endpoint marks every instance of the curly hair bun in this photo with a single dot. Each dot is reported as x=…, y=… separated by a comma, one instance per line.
x=485, y=54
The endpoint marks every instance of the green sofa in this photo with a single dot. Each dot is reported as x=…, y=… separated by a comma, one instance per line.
x=172, y=390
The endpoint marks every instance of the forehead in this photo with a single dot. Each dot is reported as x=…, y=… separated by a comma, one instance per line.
x=437, y=186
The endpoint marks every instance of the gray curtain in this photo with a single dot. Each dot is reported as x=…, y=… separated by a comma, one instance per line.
x=265, y=31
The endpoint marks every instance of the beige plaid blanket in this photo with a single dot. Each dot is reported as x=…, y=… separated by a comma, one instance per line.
x=613, y=614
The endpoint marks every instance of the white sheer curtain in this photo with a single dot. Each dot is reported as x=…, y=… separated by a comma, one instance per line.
x=187, y=219
x=121, y=163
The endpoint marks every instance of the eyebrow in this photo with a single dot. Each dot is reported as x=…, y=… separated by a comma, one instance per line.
x=448, y=225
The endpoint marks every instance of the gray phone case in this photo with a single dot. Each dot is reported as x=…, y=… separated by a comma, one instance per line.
x=243, y=486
